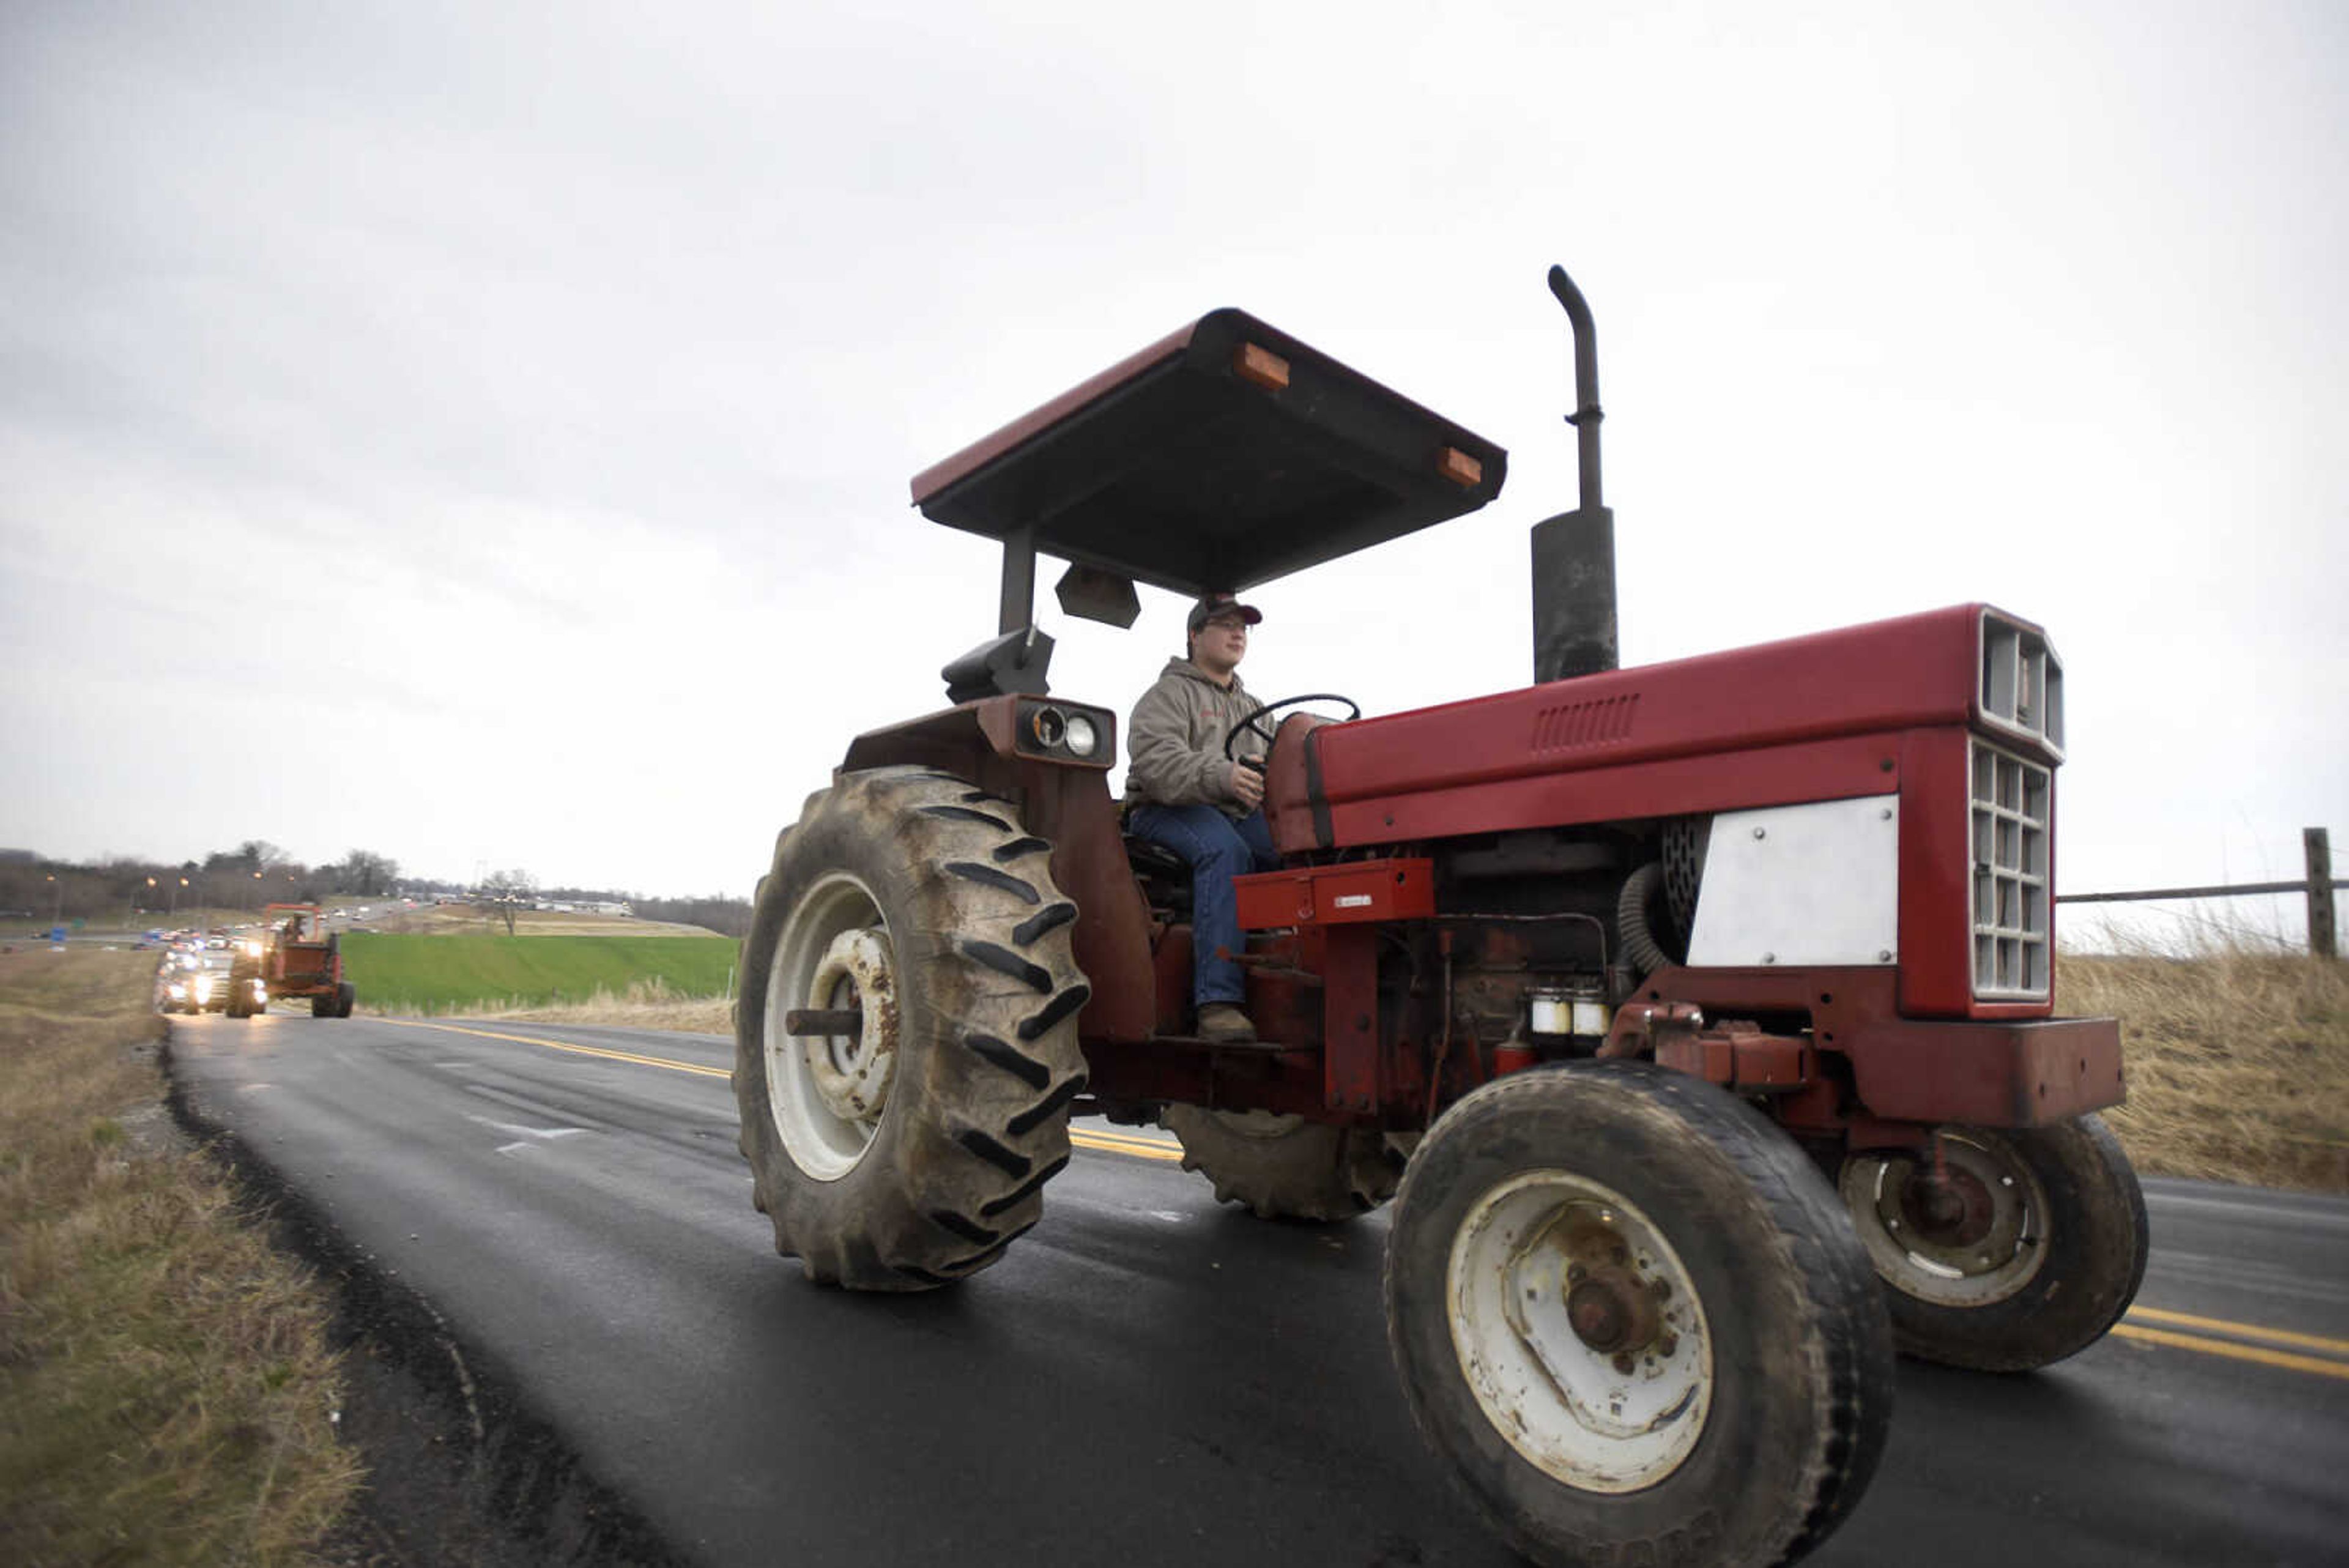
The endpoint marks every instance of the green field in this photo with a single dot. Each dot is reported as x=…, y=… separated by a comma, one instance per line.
x=435, y=975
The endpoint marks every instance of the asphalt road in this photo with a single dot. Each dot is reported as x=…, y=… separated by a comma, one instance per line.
x=1148, y=1378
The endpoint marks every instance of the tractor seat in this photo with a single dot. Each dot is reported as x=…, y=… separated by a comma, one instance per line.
x=1164, y=876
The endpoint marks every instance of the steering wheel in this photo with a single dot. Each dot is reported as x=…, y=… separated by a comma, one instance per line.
x=1252, y=723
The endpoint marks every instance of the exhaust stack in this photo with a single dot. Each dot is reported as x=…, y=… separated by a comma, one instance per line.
x=1574, y=552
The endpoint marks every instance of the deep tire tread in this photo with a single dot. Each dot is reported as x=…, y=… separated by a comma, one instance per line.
x=1006, y=962
x=1011, y=1059
x=1010, y=1161
x=1019, y=887
x=1054, y=1011
x=977, y=1120
x=1051, y=918
x=1049, y=1106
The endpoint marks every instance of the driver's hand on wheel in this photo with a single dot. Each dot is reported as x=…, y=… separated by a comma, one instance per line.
x=1248, y=785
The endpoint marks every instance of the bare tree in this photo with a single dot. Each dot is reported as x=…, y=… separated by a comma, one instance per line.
x=365, y=873
x=506, y=891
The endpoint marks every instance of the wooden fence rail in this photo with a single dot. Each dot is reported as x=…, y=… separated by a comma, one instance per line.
x=2318, y=886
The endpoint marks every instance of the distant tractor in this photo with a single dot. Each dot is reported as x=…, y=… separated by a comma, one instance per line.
x=296, y=957
x=1695, y=1019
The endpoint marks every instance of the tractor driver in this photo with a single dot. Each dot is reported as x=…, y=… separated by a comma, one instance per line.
x=1181, y=794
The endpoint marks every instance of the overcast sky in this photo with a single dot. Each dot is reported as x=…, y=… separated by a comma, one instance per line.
x=481, y=434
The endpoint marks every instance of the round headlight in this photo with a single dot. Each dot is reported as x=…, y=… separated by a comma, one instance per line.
x=1082, y=736
x=1048, y=726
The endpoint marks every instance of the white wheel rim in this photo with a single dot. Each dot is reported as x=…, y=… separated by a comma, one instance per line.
x=827, y=1093
x=1992, y=1248
x=1614, y=1416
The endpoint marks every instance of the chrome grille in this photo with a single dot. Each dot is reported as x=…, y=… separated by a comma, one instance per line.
x=2013, y=802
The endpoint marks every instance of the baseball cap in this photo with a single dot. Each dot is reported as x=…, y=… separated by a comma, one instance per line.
x=1214, y=605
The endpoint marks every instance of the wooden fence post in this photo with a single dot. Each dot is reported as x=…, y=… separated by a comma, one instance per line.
x=2322, y=940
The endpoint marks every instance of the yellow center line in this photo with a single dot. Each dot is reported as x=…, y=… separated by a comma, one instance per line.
x=2235, y=1352
x=2243, y=1330
x=1151, y=1148
x=1140, y=1148
x=573, y=1049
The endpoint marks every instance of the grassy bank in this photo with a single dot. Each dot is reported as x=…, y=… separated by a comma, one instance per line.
x=406, y=973
x=2237, y=1060
x=166, y=1394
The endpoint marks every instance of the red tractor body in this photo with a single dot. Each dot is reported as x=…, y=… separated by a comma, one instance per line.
x=1706, y=1001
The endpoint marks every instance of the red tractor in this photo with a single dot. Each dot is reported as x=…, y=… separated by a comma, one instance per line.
x=296, y=959
x=1695, y=1020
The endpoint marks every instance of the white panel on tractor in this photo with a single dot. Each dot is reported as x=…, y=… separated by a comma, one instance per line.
x=1816, y=884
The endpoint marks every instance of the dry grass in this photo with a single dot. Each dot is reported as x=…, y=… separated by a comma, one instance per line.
x=2237, y=1053
x=166, y=1392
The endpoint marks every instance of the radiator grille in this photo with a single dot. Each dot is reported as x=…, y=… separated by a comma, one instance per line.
x=2012, y=805
x=2022, y=683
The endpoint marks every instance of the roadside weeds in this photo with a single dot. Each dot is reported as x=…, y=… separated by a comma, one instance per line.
x=167, y=1390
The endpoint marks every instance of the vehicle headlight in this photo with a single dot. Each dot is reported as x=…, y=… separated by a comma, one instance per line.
x=260, y=991
x=203, y=988
x=1083, y=737
x=178, y=991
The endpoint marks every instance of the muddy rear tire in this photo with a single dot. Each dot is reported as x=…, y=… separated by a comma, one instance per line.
x=1284, y=1167
x=909, y=1154
x=2035, y=1250
x=1630, y=1315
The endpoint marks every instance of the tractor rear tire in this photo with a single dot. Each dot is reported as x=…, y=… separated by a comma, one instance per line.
x=1630, y=1315
x=910, y=1154
x=1284, y=1167
x=2040, y=1256
x=322, y=1005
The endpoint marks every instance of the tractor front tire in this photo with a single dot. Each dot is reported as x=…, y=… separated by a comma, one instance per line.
x=2026, y=1246
x=908, y=1154
x=1284, y=1167
x=1632, y=1319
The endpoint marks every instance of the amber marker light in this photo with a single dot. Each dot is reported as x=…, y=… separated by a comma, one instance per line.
x=1260, y=365
x=1458, y=467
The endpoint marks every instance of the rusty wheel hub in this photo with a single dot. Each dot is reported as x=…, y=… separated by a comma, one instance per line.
x=1613, y=1310
x=1579, y=1331
x=1960, y=1224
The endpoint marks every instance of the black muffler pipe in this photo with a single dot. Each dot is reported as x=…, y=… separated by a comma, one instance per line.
x=1574, y=552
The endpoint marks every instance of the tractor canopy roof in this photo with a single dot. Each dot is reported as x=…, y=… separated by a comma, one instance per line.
x=1224, y=455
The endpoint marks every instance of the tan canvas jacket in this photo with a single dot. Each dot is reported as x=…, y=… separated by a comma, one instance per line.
x=1175, y=742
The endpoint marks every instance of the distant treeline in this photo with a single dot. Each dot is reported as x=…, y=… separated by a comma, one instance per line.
x=256, y=872
x=121, y=888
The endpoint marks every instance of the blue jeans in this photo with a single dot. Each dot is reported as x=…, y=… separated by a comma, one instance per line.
x=1217, y=849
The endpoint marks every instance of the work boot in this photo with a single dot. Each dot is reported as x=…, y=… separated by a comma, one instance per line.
x=1222, y=1020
